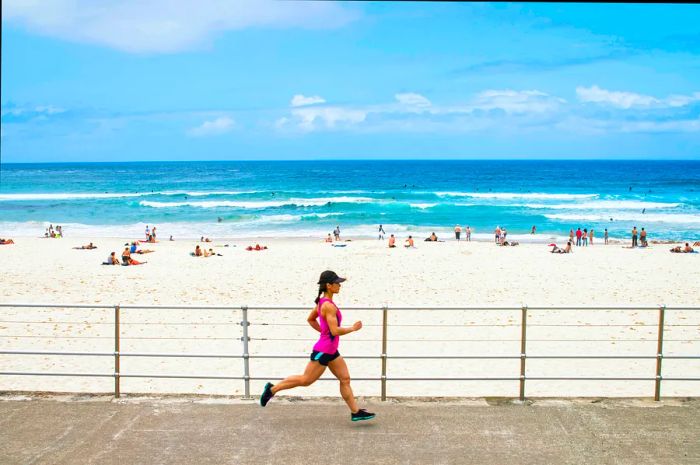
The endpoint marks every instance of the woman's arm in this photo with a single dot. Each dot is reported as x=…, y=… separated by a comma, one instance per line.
x=329, y=312
x=312, y=319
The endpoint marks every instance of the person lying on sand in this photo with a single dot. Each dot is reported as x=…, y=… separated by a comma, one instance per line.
x=696, y=244
x=432, y=238
x=679, y=249
x=151, y=239
x=204, y=239
x=556, y=249
x=257, y=247
x=86, y=247
x=6, y=241
x=134, y=249
x=112, y=259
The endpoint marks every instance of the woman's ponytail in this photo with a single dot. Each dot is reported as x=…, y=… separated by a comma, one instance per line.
x=321, y=290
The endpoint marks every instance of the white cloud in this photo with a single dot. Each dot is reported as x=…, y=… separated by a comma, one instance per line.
x=165, y=26
x=218, y=126
x=412, y=99
x=312, y=118
x=512, y=101
x=625, y=100
x=300, y=100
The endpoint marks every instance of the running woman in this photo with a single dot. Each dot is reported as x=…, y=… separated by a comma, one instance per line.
x=326, y=319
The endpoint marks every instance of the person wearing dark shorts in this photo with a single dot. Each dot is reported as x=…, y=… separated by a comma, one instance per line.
x=323, y=358
x=326, y=319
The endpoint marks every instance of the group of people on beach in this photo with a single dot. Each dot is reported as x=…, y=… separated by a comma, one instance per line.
x=686, y=249
x=56, y=233
x=500, y=235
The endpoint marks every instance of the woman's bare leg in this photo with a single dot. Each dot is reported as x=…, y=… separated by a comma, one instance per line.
x=340, y=369
x=313, y=371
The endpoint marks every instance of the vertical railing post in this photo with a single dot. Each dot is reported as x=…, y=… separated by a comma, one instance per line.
x=117, y=392
x=659, y=353
x=246, y=354
x=385, y=312
x=523, y=344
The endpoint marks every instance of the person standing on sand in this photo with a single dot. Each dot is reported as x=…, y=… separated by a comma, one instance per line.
x=326, y=319
x=381, y=232
x=571, y=235
x=336, y=233
x=590, y=236
x=634, y=237
x=605, y=236
x=643, y=237
x=468, y=234
x=458, y=232
x=498, y=234
x=578, y=237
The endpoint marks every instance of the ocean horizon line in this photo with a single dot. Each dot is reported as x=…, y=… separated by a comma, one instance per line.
x=363, y=160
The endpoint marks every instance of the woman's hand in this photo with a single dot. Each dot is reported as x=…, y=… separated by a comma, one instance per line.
x=357, y=326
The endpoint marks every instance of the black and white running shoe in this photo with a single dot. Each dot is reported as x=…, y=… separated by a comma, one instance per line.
x=361, y=414
x=266, y=395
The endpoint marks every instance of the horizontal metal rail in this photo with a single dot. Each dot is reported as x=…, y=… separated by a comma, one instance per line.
x=526, y=313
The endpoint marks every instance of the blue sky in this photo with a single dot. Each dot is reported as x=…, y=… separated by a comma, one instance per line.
x=211, y=80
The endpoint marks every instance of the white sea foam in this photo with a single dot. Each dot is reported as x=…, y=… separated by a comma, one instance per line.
x=678, y=218
x=601, y=205
x=423, y=206
x=313, y=202
x=516, y=195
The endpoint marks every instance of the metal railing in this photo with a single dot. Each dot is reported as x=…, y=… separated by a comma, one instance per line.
x=246, y=356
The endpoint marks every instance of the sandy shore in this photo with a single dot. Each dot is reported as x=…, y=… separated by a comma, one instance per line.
x=446, y=274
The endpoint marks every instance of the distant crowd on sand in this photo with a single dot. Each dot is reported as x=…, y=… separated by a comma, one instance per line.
x=54, y=233
x=582, y=237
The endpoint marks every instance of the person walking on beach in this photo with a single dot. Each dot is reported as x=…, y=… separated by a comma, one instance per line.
x=381, y=232
x=578, y=237
x=634, y=237
x=458, y=232
x=605, y=236
x=336, y=233
x=468, y=234
x=148, y=232
x=326, y=319
x=590, y=236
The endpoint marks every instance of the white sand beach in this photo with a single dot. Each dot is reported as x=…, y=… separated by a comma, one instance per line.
x=443, y=274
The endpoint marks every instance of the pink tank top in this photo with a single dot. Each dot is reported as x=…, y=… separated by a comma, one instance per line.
x=327, y=343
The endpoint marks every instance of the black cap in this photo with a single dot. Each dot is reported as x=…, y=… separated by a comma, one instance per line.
x=330, y=277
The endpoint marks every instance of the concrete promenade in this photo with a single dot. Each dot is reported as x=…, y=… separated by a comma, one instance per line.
x=80, y=429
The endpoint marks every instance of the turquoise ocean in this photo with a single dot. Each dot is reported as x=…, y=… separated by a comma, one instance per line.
x=232, y=199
